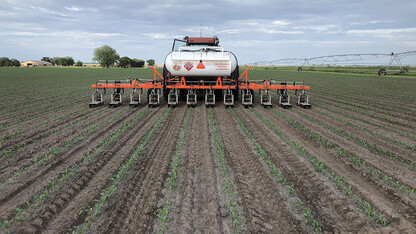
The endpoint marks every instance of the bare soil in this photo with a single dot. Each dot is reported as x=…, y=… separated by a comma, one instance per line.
x=199, y=203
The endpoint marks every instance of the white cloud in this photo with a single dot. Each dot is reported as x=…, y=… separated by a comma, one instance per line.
x=325, y=28
x=161, y=35
x=72, y=8
x=280, y=23
x=283, y=32
x=231, y=31
x=78, y=9
x=384, y=33
x=48, y=11
x=372, y=22
x=104, y=34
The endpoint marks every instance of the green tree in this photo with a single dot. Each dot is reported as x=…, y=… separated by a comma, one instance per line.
x=6, y=62
x=15, y=63
x=151, y=62
x=79, y=64
x=48, y=59
x=63, y=61
x=137, y=63
x=69, y=61
x=124, y=62
x=105, y=56
x=57, y=61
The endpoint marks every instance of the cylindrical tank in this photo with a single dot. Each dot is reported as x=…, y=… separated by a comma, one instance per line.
x=201, y=62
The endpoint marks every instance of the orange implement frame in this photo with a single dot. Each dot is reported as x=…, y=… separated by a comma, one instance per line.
x=221, y=83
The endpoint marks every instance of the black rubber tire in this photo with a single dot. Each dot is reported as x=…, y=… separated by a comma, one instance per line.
x=165, y=93
x=148, y=95
x=235, y=93
x=382, y=72
x=252, y=94
x=405, y=70
x=312, y=69
x=299, y=69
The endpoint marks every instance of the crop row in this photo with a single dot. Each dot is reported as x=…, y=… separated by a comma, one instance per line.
x=55, y=185
x=54, y=151
x=34, y=128
x=393, y=140
x=229, y=188
x=359, y=162
x=371, y=123
x=28, y=113
x=163, y=213
x=377, y=104
x=370, y=210
x=306, y=213
x=105, y=194
x=366, y=113
x=363, y=143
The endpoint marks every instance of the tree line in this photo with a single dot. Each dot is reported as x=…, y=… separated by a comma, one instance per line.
x=6, y=62
x=104, y=55
x=108, y=57
x=61, y=61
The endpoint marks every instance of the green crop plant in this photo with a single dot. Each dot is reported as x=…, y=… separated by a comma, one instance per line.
x=350, y=137
x=340, y=184
x=52, y=182
x=20, y=214
x=268, y=161
x=352, y=158
x=229, y=185
x=5, y=224
x=164, y=212
x=29, y=206
x=107, y=193
x=291, y=190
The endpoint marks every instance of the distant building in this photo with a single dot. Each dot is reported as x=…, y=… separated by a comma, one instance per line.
x=31, y=63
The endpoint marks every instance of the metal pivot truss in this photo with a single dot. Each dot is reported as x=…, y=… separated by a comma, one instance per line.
x=174, y=86
x=394, y=59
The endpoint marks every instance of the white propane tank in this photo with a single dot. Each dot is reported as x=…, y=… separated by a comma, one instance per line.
x=201, y=61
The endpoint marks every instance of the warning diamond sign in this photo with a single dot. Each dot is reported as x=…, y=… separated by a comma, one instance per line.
x=188, y=66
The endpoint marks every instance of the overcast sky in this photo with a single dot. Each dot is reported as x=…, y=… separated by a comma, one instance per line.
x=254, y=30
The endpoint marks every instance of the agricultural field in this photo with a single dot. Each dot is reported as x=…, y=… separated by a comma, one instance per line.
x=348, y=164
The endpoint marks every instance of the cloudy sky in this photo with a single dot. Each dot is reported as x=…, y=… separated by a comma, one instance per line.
x=254, y=30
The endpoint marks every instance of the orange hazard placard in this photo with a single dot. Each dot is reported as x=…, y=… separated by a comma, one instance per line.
x=200, y=65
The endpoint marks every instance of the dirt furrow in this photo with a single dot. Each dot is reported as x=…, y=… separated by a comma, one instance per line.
x=379, y=104
x=364, y=135
x=395, y=208
x=41, y=143
x=29, y=117
x=392, y=133
x=368, y=115
x=63, y=210
x=328, y=204
x=39, y=132
x=406, y=175
x=198, y=205
x=263, y=209
x=134, y=207
x=22, y=190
